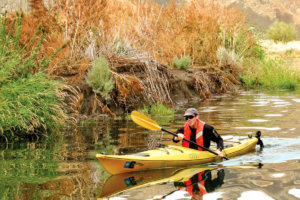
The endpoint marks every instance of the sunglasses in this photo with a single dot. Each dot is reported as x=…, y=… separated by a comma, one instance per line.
x=189, y=117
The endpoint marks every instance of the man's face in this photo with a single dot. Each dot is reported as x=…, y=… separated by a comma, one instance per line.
x=192, y=120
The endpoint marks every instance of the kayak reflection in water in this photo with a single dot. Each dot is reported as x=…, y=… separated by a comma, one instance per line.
x=202, y=183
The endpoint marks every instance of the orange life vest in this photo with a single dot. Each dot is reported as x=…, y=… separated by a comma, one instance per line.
x=189, y=185
x=199, y=134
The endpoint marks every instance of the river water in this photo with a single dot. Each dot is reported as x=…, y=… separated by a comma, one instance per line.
x=65, y=167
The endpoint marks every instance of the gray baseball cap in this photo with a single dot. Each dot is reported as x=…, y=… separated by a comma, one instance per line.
x=191, y=112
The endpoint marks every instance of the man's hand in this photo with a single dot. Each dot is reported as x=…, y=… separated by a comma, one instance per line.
x=180, y=136
x=220, y=154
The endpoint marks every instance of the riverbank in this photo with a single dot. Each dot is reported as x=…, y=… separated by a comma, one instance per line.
x=156, y=54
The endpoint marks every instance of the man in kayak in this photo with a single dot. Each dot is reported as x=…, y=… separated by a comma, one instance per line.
x=198, y=132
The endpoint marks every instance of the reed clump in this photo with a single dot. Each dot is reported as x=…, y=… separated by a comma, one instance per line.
x=30, y=100
x=139, y=39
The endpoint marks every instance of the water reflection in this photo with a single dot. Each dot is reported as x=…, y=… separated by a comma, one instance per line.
x=52, y=168
x=201, y=183
x=196, y=182
x=65, y=167
x=25, y=167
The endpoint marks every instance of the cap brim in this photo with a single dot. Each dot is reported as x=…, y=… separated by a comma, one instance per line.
x=188, y=114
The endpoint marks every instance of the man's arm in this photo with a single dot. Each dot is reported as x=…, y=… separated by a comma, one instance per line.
x=212, y=184
x=212, y=135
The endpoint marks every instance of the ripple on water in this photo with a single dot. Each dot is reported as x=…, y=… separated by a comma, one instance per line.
x=295, y=192
x=278, y=175
x=214, y=195
x=280, y=106
x=261, y=183
x=258, y=120
x=260, y=128
x=175, y=195
x=254, y=195
x=273, y=115
x=282, y=103
x=208, y=110
x=260, y=103
x=296, y=100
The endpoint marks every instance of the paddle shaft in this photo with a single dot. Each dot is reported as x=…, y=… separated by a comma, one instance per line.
x=207, y=149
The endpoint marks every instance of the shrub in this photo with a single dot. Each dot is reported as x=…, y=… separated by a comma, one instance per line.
x=258, y=52
x=227, y=57
x=182, y=63
x=30, y=100
x=281, y=31
x=99, y=78
x=269, y=73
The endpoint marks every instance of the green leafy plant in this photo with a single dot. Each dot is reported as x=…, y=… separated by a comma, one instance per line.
x=269, y=73
x=182, y=63
x=30, y=100
x=281, y=31
x=259, y=52
x=99, y=78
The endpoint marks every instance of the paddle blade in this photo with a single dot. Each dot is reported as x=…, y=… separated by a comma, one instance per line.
x=144, y=121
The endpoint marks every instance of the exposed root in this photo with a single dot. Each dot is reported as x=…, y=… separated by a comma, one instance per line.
x=213, y=80
x=148, y=73
x=104, y=108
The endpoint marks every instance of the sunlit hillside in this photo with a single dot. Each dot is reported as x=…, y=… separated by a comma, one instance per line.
x=262, y=13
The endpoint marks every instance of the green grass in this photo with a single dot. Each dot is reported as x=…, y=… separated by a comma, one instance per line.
x=182, y=63
x=269, y=73
x=29, y=104
x=157, y=109
x=158, y=112
x=29, y=99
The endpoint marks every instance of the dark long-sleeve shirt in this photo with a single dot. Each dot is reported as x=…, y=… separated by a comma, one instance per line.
x=209, y=134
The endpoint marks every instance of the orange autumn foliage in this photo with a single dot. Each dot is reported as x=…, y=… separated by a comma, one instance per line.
x=93, y=28
x=191, y=29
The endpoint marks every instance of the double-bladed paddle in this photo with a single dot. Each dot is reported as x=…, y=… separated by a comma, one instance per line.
x=148, y=123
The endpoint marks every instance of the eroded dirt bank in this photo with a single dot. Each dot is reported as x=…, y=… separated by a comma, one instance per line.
x=143, y=82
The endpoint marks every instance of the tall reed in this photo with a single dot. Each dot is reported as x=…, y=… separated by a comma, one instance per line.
x=30, y=100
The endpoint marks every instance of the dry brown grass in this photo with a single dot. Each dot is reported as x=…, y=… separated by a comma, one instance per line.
x=211, y=80
x=121, y=30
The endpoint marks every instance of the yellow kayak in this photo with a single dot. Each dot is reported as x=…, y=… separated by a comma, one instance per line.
x=172, y=156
